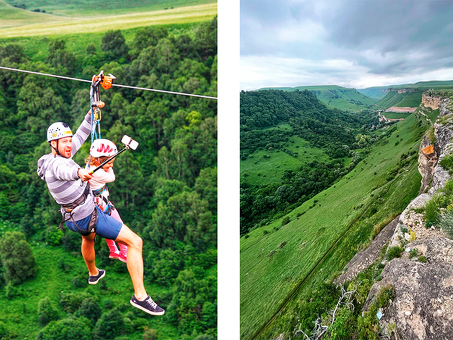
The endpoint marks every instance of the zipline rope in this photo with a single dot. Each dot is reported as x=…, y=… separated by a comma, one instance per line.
x=117, y=85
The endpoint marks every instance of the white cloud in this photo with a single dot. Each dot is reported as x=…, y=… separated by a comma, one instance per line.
x=344, y=42
x=268, y=71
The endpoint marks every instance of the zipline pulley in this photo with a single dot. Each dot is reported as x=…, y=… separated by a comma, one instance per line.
x=106, y=83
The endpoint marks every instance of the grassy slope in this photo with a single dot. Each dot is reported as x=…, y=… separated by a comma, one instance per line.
x=393, y=98
x=411, y=100
x=11, y=16
x=309, y=237
x=395, y=115
x=337, y=97
x=37, y=47
x=374, y=92
x=38, y=24
x=261, y=171
x=97, y=8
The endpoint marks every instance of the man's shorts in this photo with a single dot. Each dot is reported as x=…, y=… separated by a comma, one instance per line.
x=106, y=227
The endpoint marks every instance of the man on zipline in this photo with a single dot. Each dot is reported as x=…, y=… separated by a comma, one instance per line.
x=68, y=185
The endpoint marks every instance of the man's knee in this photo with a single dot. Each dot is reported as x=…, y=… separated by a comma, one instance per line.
x=137, y=241
x=130, y=238
x=88, y=239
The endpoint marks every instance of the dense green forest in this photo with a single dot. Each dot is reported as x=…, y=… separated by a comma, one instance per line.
x=166, y=190
x=344, y=137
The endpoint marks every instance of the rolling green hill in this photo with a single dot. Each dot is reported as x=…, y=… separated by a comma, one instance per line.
x=337, y=97
x=375, y=92
x=94, y=17
x=406, y=99
x=96, y=8
x=285, y=258
x=380, y=92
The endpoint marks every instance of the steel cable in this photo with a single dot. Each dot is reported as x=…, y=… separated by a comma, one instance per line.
x=117, y=85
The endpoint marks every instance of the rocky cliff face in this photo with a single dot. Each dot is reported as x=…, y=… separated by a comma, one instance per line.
x=423, y=303
x=432, y=102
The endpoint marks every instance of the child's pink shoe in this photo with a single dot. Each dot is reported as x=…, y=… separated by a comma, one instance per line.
x=123, y=258
x=114, y=255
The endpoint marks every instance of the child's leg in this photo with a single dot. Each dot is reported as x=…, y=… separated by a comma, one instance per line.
x=113, y=248
x=123, y=247
x=114, y=252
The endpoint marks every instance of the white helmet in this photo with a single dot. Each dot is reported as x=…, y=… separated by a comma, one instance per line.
x=58, y=130
x=102, y=147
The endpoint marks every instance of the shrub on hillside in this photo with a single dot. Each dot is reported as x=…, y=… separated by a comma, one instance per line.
x=90, y=309
x=431, y=215
x=394, y=252
x=53, y=236
x=446, y=223
x=109, y=325
x=149, y=334
x=16, y=256
x=285, y=220
x=47, y=312
x=368, y=324
x=71, y=301
x=447, y=163
x=67, y=329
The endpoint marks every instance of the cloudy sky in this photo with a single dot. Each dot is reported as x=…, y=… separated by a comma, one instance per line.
x=351, y=43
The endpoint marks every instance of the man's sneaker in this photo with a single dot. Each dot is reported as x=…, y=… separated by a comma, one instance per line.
x=148, y=306
x=114, y=255
x=95, y=278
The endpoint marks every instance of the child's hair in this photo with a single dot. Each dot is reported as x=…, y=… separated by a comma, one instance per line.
x=90, y=159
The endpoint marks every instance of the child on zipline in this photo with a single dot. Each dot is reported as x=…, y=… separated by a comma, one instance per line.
x=100, y=150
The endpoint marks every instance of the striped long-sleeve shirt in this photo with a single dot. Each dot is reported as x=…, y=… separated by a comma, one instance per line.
x=61, y=175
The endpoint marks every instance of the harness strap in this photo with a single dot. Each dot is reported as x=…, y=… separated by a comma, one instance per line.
x=68, y=209
x=109, y=207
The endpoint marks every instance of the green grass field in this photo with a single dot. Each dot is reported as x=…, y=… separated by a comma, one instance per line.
x=97, y=8
x=411, y=100
x=36, y=48
x=396, y=115
x=266, y=167
x=391, y=99
x=270, y=272
x=20, y=23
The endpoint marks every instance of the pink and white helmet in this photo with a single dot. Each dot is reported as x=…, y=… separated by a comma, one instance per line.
x=103, y=147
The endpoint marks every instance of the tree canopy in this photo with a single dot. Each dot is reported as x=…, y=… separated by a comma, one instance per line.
x=166, y=190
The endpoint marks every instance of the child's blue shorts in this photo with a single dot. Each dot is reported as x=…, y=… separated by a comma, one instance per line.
x=106, y=227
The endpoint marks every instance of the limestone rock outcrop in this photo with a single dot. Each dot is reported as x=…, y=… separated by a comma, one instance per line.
x=431, y=101
x=427, y=159
x=423, y=304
